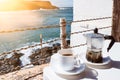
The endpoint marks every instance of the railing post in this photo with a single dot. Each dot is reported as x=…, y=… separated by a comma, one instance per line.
x=116, y=20
x=41, y=40
x=63, y=33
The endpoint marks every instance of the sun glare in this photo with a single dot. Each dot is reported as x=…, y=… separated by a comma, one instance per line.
x=4, y=0
x=13, y=20
x=10, y=5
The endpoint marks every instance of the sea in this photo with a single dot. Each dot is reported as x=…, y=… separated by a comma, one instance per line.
x=27, y=19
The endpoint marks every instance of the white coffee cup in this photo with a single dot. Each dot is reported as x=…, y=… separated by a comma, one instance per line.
x=67, y=60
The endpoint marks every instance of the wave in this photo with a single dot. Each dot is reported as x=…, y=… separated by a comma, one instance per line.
x=65, y=8
x=41, y=9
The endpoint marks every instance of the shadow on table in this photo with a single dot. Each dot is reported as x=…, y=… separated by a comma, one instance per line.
x=115, y=64
x=91, y=73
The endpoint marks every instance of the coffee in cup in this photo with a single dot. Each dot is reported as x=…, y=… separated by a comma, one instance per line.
x=67, y=54
x=67, y=61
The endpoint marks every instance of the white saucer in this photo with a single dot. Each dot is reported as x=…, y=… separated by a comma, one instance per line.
x=75, y=71
x=104, y=64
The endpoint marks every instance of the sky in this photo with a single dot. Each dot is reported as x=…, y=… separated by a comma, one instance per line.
x=62, y=3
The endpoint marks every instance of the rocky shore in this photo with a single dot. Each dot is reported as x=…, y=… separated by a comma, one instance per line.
x=10, y=64
x=12, y=61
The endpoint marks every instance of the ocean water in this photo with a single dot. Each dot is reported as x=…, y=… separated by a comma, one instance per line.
x=25, y=19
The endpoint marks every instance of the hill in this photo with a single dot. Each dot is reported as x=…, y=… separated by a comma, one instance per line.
x=25, y=5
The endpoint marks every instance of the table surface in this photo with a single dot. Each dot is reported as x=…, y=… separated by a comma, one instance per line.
x=112, y=73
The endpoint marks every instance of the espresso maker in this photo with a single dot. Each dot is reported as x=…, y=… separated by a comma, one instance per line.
x=95, y=42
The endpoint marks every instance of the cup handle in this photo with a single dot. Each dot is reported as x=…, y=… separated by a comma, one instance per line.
x=77, y=61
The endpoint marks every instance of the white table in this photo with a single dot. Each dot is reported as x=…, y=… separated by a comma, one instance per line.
x=112, y=73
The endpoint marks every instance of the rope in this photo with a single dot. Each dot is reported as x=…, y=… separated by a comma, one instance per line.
x=34, y=75
x=56, y=25
x=89, y=30
x=29, y=28
x=78, y=45
x=94, y=19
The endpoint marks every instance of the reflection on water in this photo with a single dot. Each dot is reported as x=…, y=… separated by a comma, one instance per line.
x=19, y=19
